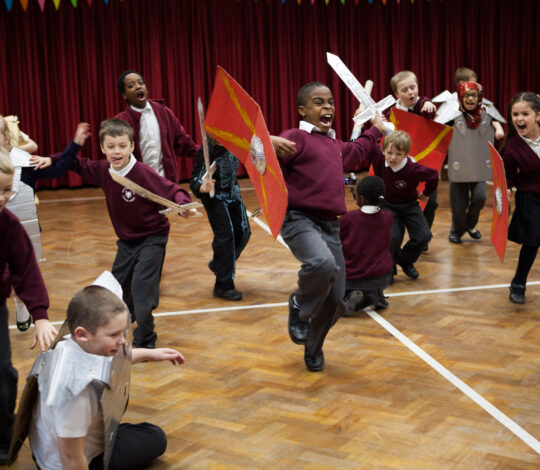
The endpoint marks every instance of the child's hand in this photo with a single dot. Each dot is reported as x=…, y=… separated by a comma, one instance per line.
x=283, y=147
x=44, y=334
x=499, y=132
x=157, y=355
x=428, y=107
x=207, y=186
x=378, y=122
x=82, y=133
x=423, y=197
x=190, y=213
x=40, y=162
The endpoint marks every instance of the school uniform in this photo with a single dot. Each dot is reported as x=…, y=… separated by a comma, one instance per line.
x=226, y=213
x=365, y=237
x=143, y=234
x=171, y=138
x=316, y=196
x=402, y=200
x=17, y=256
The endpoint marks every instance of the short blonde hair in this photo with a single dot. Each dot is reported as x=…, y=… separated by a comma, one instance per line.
x=400, y=140
x=464, y=74
x=4, y=130
x=6, y=166
x=400, y=76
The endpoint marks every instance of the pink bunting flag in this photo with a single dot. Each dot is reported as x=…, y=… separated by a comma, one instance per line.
x=41, y=4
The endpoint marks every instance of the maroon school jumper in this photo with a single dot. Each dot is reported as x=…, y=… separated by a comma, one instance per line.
x=416, y=109
x=174, y=138
x=314, y=173
x=132, y=216
x=365, y=239
x=17, y=255
x=522, y=166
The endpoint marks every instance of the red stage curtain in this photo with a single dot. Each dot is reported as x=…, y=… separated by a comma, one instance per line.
x=60, y=67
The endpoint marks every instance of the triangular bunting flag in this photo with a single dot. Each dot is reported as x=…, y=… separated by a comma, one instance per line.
x=56, y=3
x=236, y=121
x=24, y=4
x=41, y=4
x=499, y=221
x=74, y=3
x=9, y=4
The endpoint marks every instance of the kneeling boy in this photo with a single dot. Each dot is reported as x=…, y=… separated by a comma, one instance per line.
x=67, y=425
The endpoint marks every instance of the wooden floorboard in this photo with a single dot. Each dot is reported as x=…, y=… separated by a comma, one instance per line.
x=243, y=399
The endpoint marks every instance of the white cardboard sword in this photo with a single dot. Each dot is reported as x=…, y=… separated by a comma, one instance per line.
x=358, y=91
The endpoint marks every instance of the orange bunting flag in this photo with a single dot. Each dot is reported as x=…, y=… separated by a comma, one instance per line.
x=429, y=140
x=236, y=121
x=24, y=4
x=499, y=221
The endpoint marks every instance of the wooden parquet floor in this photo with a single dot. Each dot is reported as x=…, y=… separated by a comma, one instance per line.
x=243, y=399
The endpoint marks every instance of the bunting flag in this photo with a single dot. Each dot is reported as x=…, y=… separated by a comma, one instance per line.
x=9, y=4
x=499, y=221
x=236, y=121
x=74, y=3
x=41, y=4
x=429, y=139
x=24, y=4
x=56, y=3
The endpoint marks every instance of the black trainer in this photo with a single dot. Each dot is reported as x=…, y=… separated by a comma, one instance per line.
x=314, y=363
x=410, y=270
x=474, y=234
x=227, y=294
x=298, y=329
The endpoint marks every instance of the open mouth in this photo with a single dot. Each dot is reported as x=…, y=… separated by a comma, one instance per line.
x=141, y=95
x=521, y=127
x=326, y=119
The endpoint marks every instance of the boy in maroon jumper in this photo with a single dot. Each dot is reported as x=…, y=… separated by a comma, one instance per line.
x=157, y=132
x=17, y=255
x=401, y=176
x=142, y=231
x=404, y=85
x=314, y=178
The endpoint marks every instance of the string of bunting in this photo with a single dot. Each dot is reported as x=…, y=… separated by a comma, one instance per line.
x=24, y=3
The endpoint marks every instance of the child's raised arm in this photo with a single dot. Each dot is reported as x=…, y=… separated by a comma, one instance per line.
x=81, y=133
x=156, y=355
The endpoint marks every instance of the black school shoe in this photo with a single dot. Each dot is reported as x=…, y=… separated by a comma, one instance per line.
x=227, y=294
x=410, y=270
x=517, y=293
x=474, y=234
x=298, y=329
x=4, y=451
x=314, y=363
x=454, y=238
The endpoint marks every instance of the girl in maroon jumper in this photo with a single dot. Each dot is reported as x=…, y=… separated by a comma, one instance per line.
x=365, y=237
x=521, y=157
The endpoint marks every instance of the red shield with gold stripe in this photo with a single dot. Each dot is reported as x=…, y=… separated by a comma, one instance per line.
x=499, y=222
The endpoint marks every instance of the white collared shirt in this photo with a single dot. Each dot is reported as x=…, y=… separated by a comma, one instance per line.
x=308, y=127
x=370, y=209
x=150, y=139
x=534, y=144
x=124, y=171
x=403, y=108
x=400, y=166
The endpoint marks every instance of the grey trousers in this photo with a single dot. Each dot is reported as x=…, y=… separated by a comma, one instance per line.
x=321, y=280
x=466, y=202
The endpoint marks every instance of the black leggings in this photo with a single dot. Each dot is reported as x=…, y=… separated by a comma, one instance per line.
x=527, y=256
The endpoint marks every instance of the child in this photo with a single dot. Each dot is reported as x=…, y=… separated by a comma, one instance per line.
x=404, y=85
x=18, y=137
x=401, y=176
x=521, y=157
x=449, y=108
x=226, y=214
x=66, y=428
x=22, y=204
x=469, y=162
x=314, y=179
x=17, y=255
x=365, y=236
x=157, y=133
x=142, y=231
